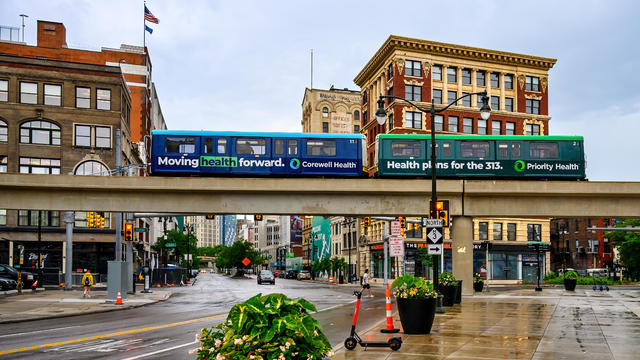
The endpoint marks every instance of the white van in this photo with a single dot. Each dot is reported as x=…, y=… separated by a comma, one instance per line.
x=603, y=273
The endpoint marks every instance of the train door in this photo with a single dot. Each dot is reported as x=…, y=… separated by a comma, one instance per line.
x=281, y=163
x=215, y=155
x=445, y=155
x=252, y=155
x=293, y=164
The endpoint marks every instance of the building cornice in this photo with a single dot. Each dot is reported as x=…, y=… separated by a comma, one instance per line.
x=394, y=43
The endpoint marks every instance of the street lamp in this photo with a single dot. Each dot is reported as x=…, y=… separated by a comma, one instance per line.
x=381, y=116
x=189, y=230
x=348, y=222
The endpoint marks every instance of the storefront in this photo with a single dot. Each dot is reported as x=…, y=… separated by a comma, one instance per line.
x=376, y=264
x=508, y=262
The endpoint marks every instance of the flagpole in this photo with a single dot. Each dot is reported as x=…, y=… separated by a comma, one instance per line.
x=144, y=27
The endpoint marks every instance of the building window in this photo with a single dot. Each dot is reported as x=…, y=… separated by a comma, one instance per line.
x=83, y=135
x=511, y=232
x=83, y=97
x=356, y=129
x=452, y=74
x=356, y=115
x=28, y=93
x=466, y=101
x=390, y=72
x=325, y=127
x=412, y=68
x=39, y=166
x=3, y=217
x=466, y=76
x=413, y=120
x=482, y=127
x=533, y=129
x=103, y=99
x=438, y=121
x=40, y=132
x=103, y=137
x=437, y=72
x=510, y=128
x=495, y=103
x=365, y=118
x=480, y=78
x=534, y=232
x=497, y=231
x=533, y=106
x=4, y=131
x=496, y=127
x=483, y=231
x=453, y=123
x=390, y=93
x=532, y=83
x=495, y=80
x=437, y=96
x=508, y=82
x=31, y=217
x=467, y=125
x=413, y=92
x=92, y=168
x=325, y=112
x=451, y=96
x=4, y=90
x=52, y=94
x=508, y=104
x=364, y=97
x=3, y=163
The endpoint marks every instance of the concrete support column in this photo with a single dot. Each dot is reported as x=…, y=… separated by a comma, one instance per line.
x=10, y=253
x=69, y=220
x=462, y=252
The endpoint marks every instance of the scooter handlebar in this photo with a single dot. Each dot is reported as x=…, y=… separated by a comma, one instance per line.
x=356, y=293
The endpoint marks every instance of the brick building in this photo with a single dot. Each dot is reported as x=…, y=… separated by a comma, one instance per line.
x=574, y=246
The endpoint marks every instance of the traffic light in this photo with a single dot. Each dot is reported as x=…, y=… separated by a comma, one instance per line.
x=367, y=221
x=101, y=225
x=210, y=216
x=90, y=219
x=442, y=211
x=257, y=217
x=444, y=216
x=403, y=221
x=128, y=232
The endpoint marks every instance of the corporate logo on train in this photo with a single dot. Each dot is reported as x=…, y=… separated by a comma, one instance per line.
x=232, y=161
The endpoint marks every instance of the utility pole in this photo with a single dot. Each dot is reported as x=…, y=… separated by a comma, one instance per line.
x=23, y=16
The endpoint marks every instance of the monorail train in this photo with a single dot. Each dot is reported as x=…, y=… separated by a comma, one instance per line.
x=213, y=153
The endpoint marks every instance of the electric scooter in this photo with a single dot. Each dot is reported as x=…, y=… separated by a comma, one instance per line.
x=350, y=343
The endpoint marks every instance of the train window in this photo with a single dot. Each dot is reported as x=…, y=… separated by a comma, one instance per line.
x=208, y=145
x=321, y=148
x=279, y=146
x=543, y=150
x=405, y=148
x=222, y=146
x=503, y=150
x=446, y=149
x=515, y=150
x=251, y=146
x=474, y=149
x=182, y=145
x=293, y=147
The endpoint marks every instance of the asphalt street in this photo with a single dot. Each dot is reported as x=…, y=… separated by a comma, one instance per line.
x=167, y=330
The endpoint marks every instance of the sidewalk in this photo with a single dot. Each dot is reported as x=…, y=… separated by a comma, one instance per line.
x=60, y=303
x=521, y=324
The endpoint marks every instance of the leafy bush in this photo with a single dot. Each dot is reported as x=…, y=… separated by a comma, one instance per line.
x=266, y=327
x=447, y=278
x=582, y=280
x=571, y=275
x=550, y=275
x=478, y=278
x=410, y=287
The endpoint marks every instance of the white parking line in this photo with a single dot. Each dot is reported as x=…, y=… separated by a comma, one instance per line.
x=37, y=331
x=159, y=351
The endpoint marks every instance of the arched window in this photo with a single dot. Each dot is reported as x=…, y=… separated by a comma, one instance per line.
x=90, y=167
x=325, y=112
x=356, y=115
x=40, y=132
x=4, y=131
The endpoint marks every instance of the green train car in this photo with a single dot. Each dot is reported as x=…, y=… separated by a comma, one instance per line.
x=482, y=156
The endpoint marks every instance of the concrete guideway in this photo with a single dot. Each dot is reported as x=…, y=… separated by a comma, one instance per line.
x=319, y=196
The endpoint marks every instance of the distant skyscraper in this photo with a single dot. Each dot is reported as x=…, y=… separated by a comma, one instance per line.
x=228, y=229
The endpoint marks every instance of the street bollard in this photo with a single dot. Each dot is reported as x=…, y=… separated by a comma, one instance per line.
x=145, y=270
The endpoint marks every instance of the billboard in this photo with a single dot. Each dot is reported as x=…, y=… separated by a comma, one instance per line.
x=296, y=235
x=321, y=237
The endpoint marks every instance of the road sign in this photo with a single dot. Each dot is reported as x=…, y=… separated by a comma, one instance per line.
x=170, y=245
x=246, y=261
x=141, y=230
x=431, y=222
x=396, y=246
x=434, y=235
x=396, y=228
x=434, y=249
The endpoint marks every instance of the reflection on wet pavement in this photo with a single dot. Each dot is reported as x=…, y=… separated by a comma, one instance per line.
x=521, y=324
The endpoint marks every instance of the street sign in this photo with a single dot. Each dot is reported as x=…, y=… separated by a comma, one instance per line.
x=396, y=228
x=434, y=235
x=141, y=230
x=396, y=246
x=170, y=245
x=426, y=222
x=434, y=249
x=246, y=261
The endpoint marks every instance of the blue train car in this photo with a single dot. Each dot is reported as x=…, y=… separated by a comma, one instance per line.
x=212, y=153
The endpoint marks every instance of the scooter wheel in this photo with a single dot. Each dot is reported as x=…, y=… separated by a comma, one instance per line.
x=350, y=343
x=395, y=344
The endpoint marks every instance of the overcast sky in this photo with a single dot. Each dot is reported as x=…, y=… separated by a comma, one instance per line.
x=244, y=65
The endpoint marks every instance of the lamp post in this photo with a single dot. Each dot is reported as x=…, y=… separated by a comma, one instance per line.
x=381, y=116
x=189, y=229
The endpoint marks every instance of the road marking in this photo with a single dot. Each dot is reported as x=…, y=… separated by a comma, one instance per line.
x=335, y=306
x=37, y=331
x=159, y=351
x=120, y=333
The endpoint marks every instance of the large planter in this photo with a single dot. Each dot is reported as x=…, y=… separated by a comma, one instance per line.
x=478, y=286
x=449, y=293
x=570, y=284
x=459, y=292
x=416, y=315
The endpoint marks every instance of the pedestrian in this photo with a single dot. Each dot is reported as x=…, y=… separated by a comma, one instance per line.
x=365, y=282
x=87, y=282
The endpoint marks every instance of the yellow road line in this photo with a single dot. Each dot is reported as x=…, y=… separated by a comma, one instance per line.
x=127, y=332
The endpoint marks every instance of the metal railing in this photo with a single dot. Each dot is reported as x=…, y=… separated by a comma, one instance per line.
x=9, y=33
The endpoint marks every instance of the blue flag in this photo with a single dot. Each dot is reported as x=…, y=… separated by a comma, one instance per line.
x=150, y=30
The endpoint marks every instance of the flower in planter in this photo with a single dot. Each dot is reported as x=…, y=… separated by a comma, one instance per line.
x=571, y=275
x=447, y=279
x=408, y=286
x=477, y=278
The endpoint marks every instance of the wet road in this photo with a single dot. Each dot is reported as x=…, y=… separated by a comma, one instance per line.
x=167, y=330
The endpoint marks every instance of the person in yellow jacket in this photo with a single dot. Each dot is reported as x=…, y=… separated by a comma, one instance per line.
x=87, y=283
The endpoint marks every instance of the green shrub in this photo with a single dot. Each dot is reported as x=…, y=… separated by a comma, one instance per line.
x=410, y=287
x=447, y=278
x=266, y=327
x=550, y=275
x=571, y=275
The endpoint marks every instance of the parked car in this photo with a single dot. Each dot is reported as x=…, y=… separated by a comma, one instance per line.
x=7, y=284
x=10, y=272
x=282, y=275
x=304, y=275
x=266, y=276
x=601, y=273
x=291, y=274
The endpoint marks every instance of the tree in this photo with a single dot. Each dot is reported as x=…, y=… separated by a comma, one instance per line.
x=180, y=239
x=232, y=256
x=425, y=259
x=628, y=245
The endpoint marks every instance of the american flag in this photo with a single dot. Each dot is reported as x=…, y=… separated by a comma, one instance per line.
x=148, y=16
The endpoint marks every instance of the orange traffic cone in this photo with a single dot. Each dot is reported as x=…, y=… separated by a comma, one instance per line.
x=119, y=299
x=330, y=279
x=389, y=328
